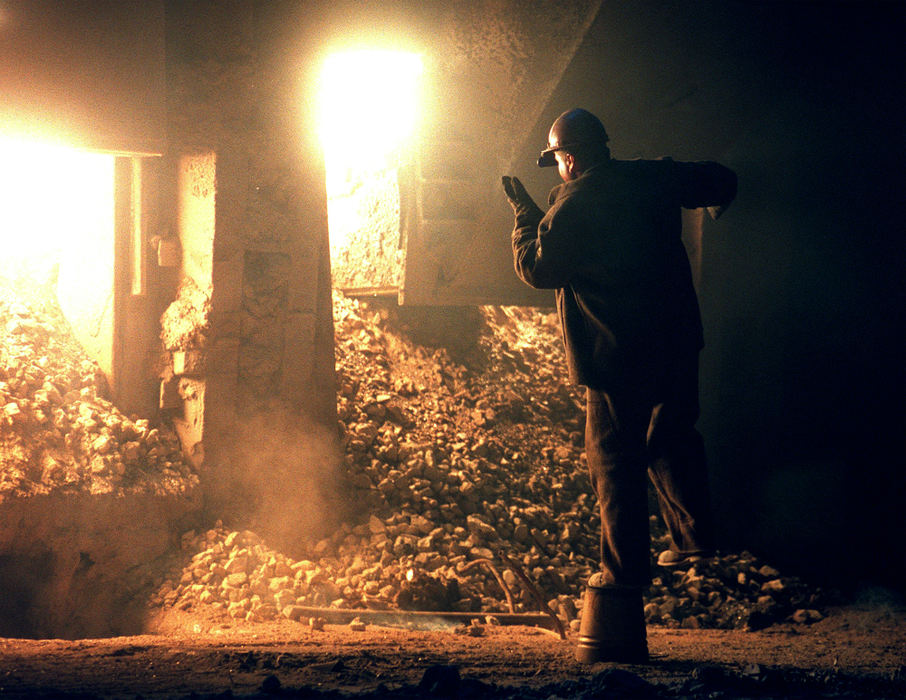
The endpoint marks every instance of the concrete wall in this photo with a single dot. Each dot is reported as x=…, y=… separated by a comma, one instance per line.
x=802, y=281
x=251, y=211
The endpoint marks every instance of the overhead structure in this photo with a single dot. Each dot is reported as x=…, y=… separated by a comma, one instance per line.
x=490, y=67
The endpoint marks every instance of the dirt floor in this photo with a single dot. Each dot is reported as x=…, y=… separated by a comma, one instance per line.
x=855, y=652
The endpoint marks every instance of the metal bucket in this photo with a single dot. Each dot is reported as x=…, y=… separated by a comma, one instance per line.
x=612, y=626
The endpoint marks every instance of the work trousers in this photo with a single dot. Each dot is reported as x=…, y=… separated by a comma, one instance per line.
x=648, y=425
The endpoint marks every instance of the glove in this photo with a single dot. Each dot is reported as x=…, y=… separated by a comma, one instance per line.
x=521, y=201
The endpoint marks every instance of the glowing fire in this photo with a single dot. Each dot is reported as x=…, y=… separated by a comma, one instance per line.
x=410, y=574
x=57, y=232
x=369, y=107
x=53, y=202
x=369, y=111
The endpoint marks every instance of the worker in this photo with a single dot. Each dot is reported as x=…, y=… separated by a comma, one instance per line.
x=610, y=245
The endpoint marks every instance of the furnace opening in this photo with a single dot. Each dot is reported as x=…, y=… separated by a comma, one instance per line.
x=57, y=227
x=369, y=117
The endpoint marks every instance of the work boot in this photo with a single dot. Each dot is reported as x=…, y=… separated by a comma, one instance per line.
x=613, y=624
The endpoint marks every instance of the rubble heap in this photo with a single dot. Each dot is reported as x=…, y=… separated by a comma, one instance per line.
x=58, y=430
x=465, y=462
x=463, y=459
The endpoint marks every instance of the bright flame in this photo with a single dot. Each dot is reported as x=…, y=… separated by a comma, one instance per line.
x=57, y=233
x=51, y=199
x=410, y=574
x=369, y=104
x=369, y=112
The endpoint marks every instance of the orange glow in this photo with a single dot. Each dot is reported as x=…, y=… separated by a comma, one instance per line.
x=369, y=105
x=57, y=233
x=52, y=200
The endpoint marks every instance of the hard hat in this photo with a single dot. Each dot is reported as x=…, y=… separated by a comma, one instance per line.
x=576, y=127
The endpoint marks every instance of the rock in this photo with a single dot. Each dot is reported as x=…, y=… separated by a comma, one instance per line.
x=12, y=413
x=376, y=525
x=292, y=612
x=467, y=464
x=616, y=682
x=774, y=586
x=806, y=617
x=237, y=610
x=691, y=623
x=768, y=572
x=574, y=625
x=270, y=685
x=440, y=681
x=265, y=612
x=237, y=564
x=421, y=524
x=479, y=527
x=235, y=580
x=521, y=532
x=284, y=598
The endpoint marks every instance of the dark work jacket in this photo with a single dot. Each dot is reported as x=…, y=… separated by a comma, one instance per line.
x=611, y=246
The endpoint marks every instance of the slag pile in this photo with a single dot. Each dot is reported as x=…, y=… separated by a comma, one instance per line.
x=464, y=459
x=58, y=430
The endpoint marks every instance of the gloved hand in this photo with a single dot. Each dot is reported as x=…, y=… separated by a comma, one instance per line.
x=520, y=199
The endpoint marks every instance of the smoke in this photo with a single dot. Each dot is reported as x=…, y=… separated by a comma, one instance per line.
x=880, y=598
x=278, y=474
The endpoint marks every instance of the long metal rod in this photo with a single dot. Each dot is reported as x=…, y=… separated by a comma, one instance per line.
x=533, y=590
x=500, y=582
x=420, y=618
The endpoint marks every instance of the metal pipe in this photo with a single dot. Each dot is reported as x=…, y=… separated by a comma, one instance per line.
x=533, y=590
x=506, y=589
x=419, y=618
